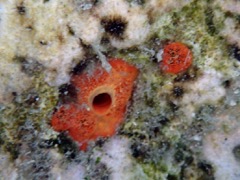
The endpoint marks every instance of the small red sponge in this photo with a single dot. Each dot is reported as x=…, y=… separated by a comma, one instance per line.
x=177, y=58
x=101, y=103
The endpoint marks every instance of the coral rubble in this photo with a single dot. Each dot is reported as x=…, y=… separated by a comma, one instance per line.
x=60, y=90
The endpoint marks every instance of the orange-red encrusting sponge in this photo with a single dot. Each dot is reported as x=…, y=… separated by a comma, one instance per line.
x=176, y=58
x=101, y=103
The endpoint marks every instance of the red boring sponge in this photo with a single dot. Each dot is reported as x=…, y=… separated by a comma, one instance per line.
x=101, y=103
x=176, y=58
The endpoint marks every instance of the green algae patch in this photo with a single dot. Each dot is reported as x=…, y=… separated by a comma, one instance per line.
x=34, y=105
x=156, y=121
x=155, y=171
x=191, y=25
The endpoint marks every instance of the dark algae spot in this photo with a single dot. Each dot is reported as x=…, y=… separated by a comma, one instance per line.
x=105, y=40
x=78, y=69
x=236, y=152
x=183, y=154
x=139, y=2
x=163, y=120
x=172, y=177
x=183, y=77
x=28, y=65
x=177, y=91
x=13, y=150
x=139, y=150
x=207, y=169
x=190, y=75
x=32, y=99
x=21, y=9
x=173, y=106
x=235, y=51
x=44, y=43
x=115, y=26
x=70, y=30
x=227, y=83
x=209, y=21
x=49, y=143
x=67, y=93
x=67, y=146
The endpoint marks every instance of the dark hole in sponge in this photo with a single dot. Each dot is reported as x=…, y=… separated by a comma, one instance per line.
x=102, y=102
x=115, y=26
